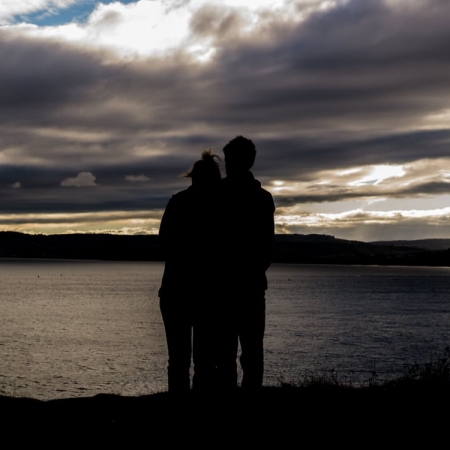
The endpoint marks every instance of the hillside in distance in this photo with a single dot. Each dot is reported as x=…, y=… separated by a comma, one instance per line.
x=294, y=248
x=426, y=244
x=325, y=249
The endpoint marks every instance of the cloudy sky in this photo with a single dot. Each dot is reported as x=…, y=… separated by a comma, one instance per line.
x=104, y=104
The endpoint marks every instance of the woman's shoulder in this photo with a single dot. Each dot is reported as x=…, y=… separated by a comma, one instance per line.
x=181, y=195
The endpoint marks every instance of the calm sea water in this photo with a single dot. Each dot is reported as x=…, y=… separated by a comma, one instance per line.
x=80, y=328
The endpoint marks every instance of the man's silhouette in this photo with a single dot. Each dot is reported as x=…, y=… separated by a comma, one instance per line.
x=247, y=228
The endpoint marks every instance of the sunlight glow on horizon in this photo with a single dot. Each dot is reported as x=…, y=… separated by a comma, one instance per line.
x=145, y=223
x=116, y=222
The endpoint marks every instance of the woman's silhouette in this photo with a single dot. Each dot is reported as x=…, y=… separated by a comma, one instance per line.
x=189, y=279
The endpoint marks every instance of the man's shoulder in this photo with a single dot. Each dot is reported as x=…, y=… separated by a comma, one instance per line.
x=244, y=182
x=267, y=198
x=252, y=198
x=264, y=193
x=248, y=186
x=261, y=191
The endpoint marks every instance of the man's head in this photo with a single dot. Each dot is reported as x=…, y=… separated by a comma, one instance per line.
x=240, y=155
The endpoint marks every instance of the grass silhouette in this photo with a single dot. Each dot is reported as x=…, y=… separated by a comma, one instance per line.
x=320, y=408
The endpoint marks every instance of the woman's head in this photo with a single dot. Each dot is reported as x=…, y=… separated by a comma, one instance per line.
x=205, y=171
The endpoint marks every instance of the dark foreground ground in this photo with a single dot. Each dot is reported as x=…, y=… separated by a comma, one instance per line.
x=279, y=417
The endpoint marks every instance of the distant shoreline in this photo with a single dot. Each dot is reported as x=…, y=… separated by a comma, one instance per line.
x=79, y=260
x=288, y=249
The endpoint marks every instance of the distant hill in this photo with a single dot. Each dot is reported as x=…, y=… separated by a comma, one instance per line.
x=80, y=246
x=293, y=248
x=426, y=244
x=325, y=249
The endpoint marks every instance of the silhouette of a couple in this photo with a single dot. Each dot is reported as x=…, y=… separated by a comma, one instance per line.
x=217, y=236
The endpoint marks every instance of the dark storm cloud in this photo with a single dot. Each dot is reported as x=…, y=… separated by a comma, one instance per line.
x=357, y=53
x=87, y=199
x=336, y=193
x=41, y=75
x=41, y=189
x=300, y=158
x=425, y=189
x=349, y=86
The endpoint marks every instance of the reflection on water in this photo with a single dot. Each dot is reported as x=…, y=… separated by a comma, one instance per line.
x=353, y=320
x=82, y=328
